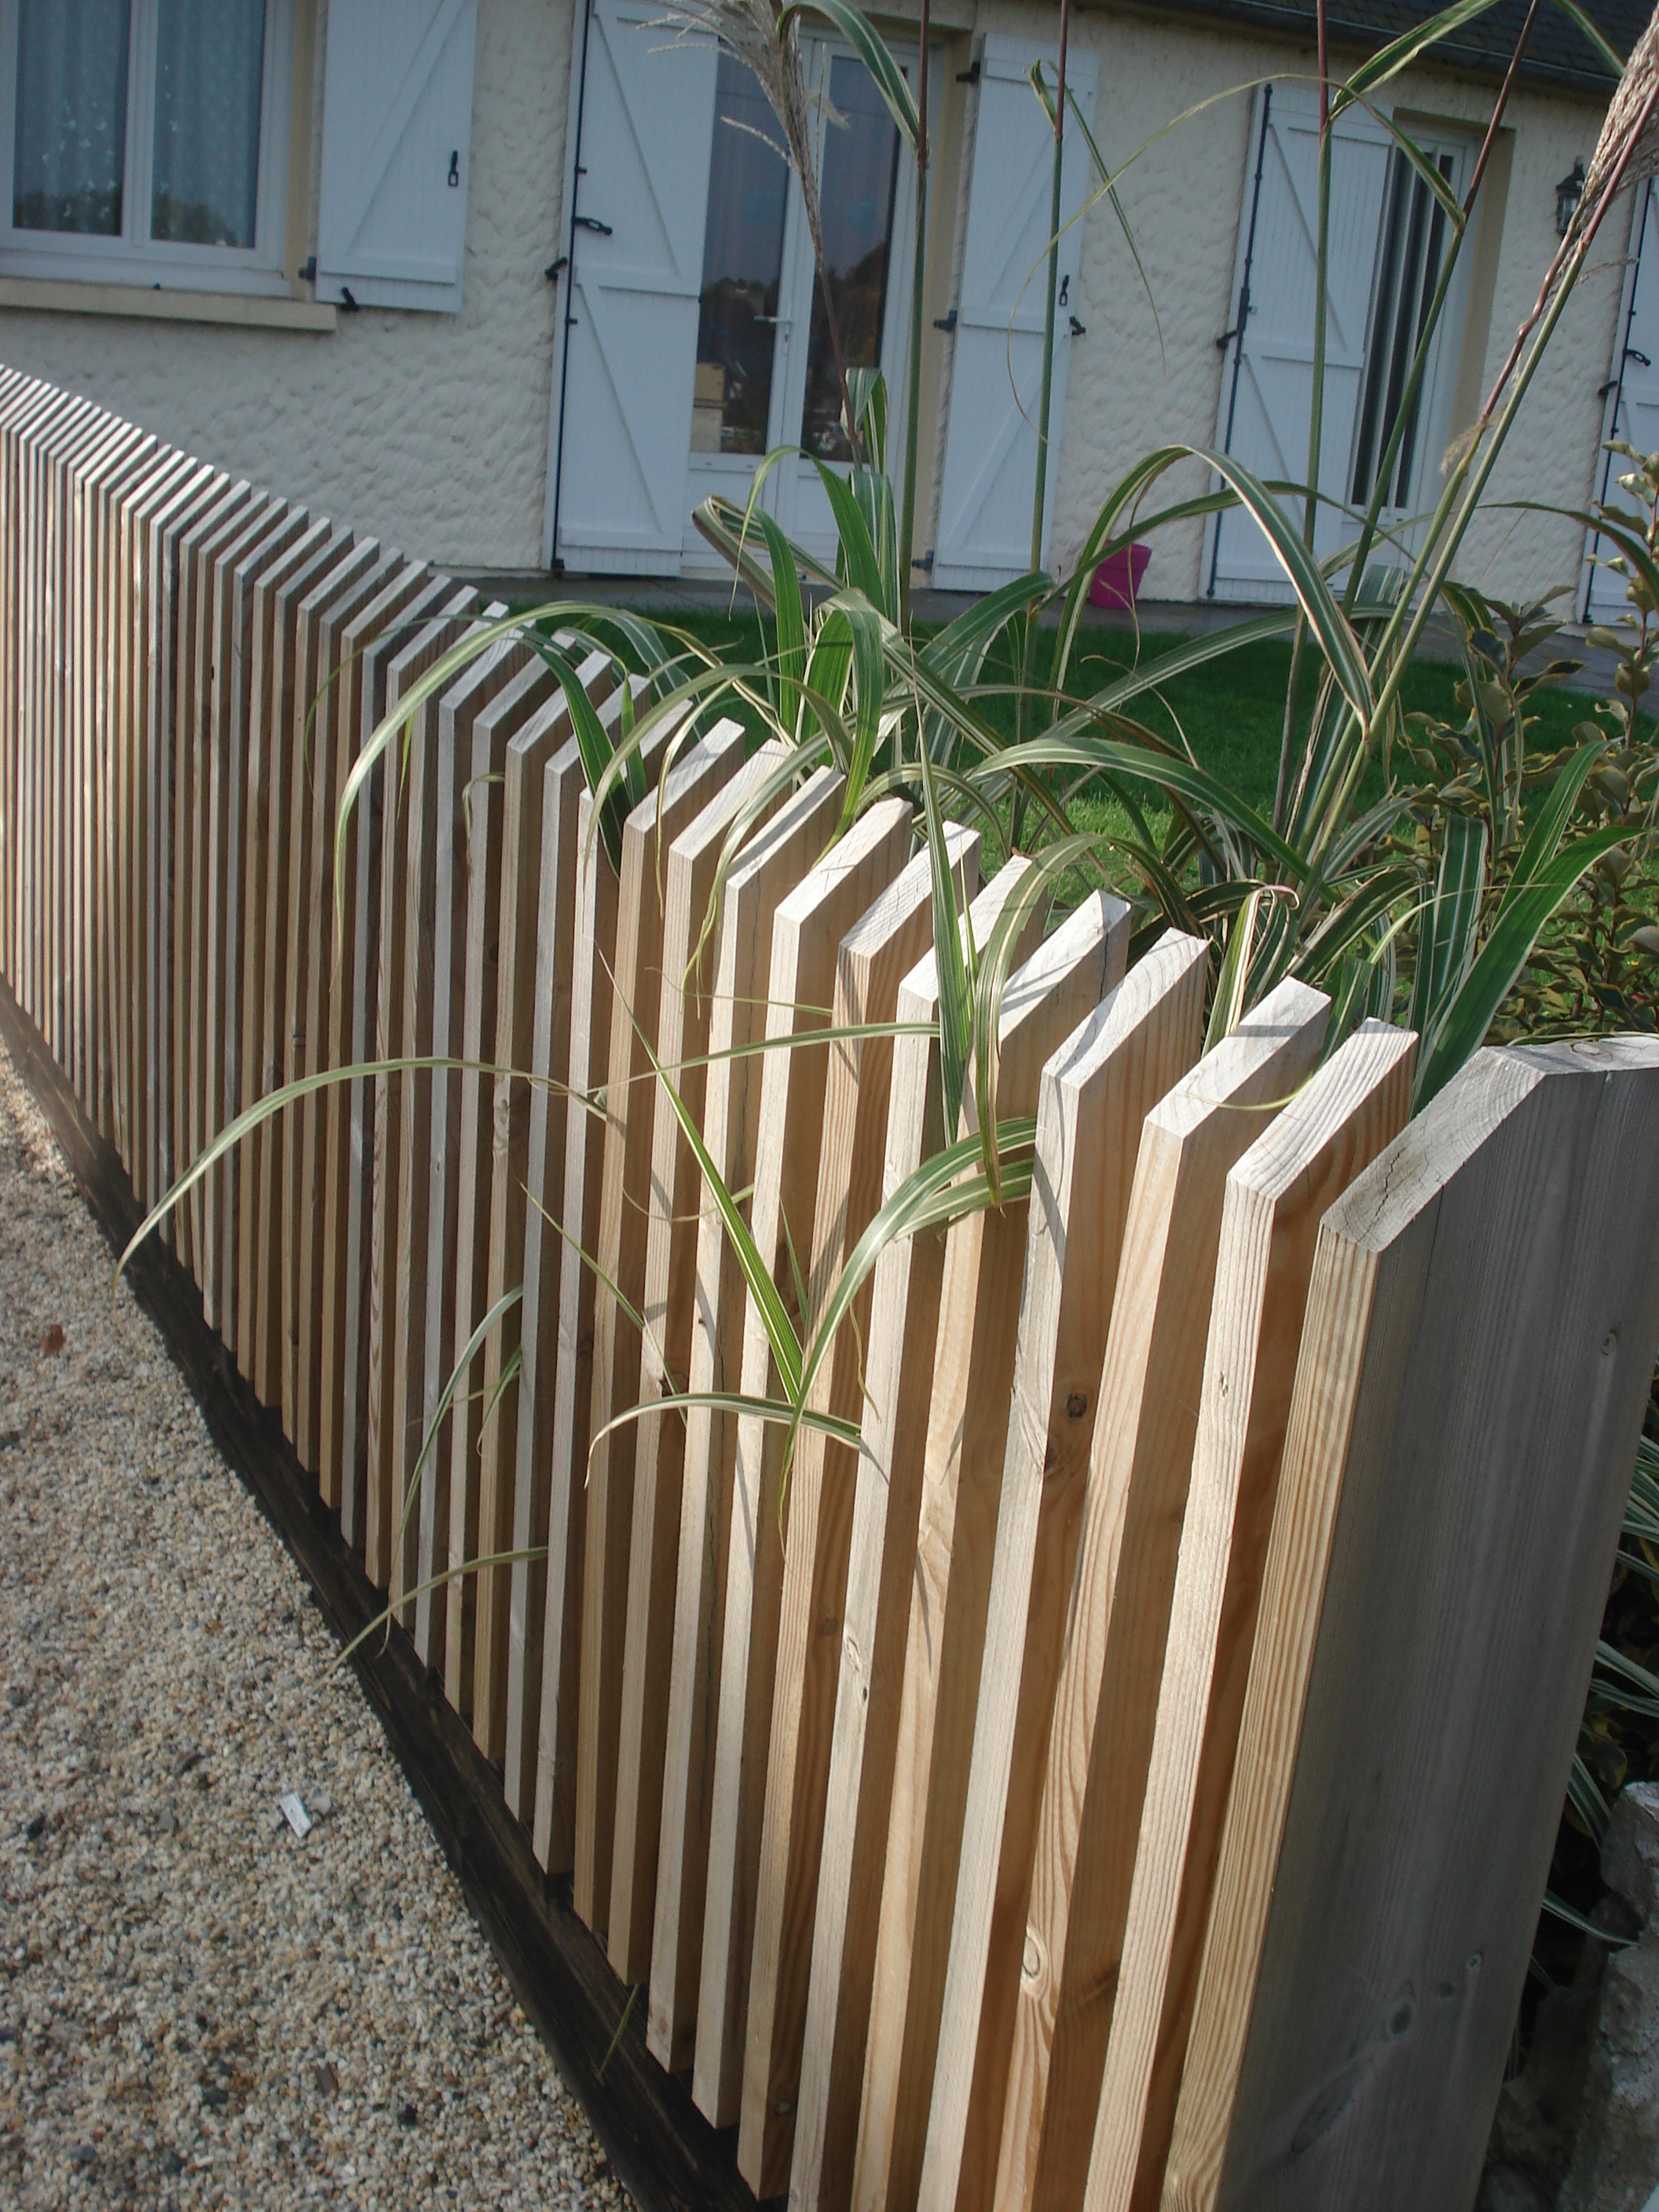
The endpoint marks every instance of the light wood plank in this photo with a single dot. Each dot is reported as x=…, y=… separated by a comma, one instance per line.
x=529, y=753
x=433, y=618
x=564, y=1380
x=324, y=613
x=806, y=938
x=266, y=1053
x=873, y=960
x=1276, y=1198
x=1096, y=1092
x=1106, y=1700
x=1476, y=1357
x=967, y=1435
x=901, y=1341
x=673, y=1185
x=777, y=860
x=420, y=1272
x=563, y=783
x=630, y=1117
x=403, y=982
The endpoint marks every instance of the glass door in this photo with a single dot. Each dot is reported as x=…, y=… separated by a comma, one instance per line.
x=766, y=374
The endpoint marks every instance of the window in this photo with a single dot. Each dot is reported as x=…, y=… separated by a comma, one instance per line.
x=146, y=141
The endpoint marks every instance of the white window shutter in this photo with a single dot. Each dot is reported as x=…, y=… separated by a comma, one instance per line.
x=1267, y=383
x=397, y=148
x=641, y=204
x=984, y=534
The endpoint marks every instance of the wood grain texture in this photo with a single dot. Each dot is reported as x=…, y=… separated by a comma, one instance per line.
x=1096, y=1094
x=1275, y=1199
x=562, y=782
x=268, y=1059
x=402, y=1013
x=376, y=599
x=966, y=1431
x=1479, y=1338
x=276, y=597
x=433, y=620
x=901, y=1342
x=673, y=1188
x=531, y=747
x=1106, y=1700
x=566, y=1381
x=873, y=960
x=420, y=1276
x=778, y=858
x=323, y=614
x=805, y=938
x=618, y=1287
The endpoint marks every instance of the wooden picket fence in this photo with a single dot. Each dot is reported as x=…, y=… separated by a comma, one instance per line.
x=1129, y=1777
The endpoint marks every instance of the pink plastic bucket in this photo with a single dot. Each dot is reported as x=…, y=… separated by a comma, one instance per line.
x=1116, y=582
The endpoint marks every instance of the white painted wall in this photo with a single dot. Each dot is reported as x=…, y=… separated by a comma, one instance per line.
x=429, y=430
x=1183, y=200
x=432, y=430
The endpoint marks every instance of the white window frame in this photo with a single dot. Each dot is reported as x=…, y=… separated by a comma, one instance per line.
x=135, y=257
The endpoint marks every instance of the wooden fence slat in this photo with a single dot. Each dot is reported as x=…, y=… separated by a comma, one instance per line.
x=250, y=826
x=967, y=1435
x=144, y=748
x=242, y=528
x=529, y=752
x=673, y=1185
x=196, y=496
x=399, y=590
x=1276, y=1198
x=624, y=1193
x=419, y=1278
x=69, y=455
x=776, y=859
x=214, y=527
x=1479, y=1345
x=279, y=601
x=1105, y=1702
x=806, y=940
x=874, y=957
x=234, y=686
x=1096, y=1092
x=403, y=995
x=901, y=1341
x=20, y=396
x=565, y=1381
x=563, y=781
x=433, y=620
x=323, y=614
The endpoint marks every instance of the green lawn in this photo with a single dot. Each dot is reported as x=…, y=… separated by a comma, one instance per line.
x=1230, y=712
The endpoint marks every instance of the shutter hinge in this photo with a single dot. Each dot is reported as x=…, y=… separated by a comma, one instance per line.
x=554, y=269
x=925, y=561
x=970, y=74
x=309, y=273
x=592, y=222
x=945, y=322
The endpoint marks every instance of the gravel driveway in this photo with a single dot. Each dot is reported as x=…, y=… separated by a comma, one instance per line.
x=196, y=2007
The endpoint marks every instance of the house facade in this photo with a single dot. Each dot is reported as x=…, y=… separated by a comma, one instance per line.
x=518, y=282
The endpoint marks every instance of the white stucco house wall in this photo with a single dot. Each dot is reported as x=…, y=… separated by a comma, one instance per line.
x=514, y=283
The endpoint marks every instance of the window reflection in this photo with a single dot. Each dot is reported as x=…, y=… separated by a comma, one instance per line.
x=71, y=133
x=742, y=259
x=860, y=173
x=210, y=78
